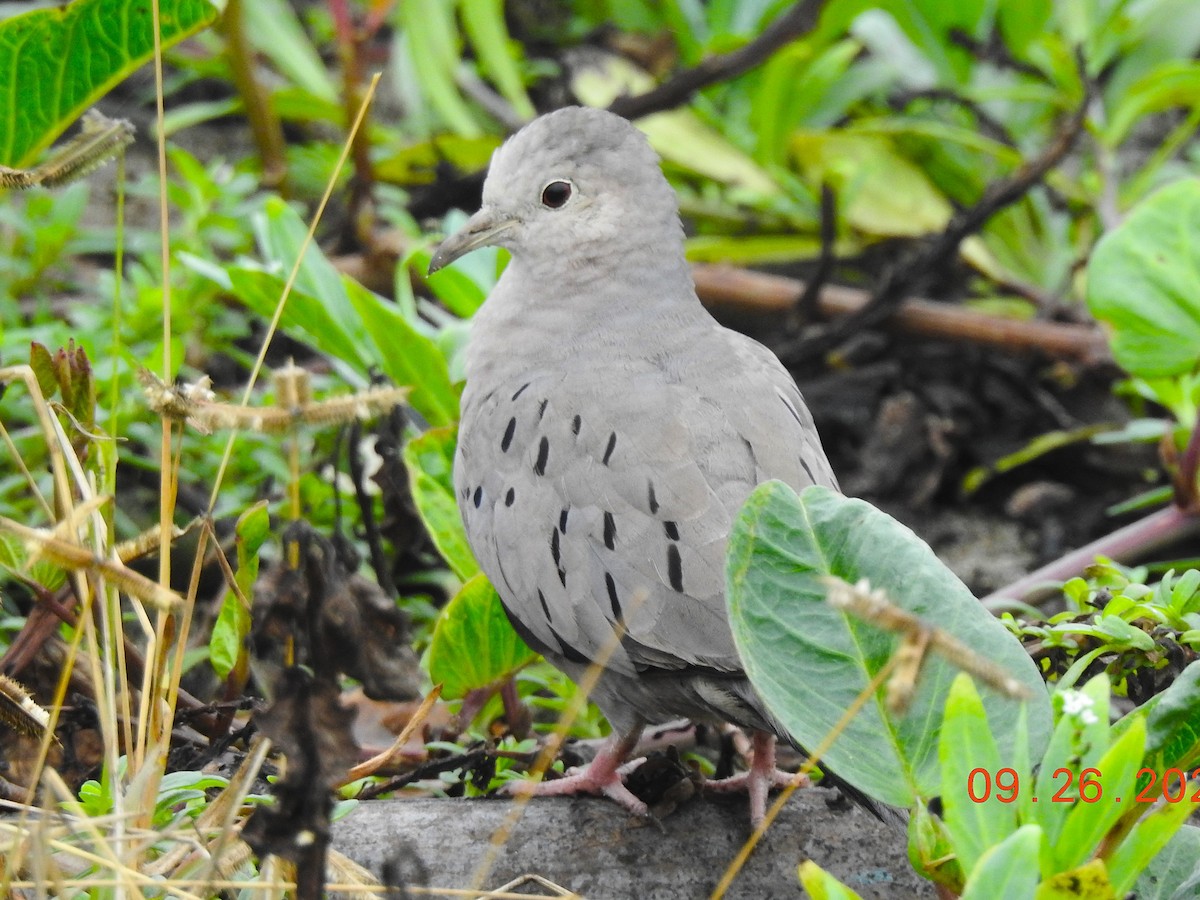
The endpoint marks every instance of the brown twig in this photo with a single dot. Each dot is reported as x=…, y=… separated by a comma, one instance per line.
x=677, y=89
x=1126, y=545
x=264, y=122
x=747, y=290
x=931, y=256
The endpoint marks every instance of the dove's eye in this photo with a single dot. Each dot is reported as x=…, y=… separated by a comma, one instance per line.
x=555, y=194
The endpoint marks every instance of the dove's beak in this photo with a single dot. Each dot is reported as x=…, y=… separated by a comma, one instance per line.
x=480, y=230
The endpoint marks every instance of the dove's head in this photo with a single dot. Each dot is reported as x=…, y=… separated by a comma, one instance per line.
x=572, y=185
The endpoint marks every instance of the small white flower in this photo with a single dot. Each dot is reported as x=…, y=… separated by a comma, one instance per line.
x=1077, y=703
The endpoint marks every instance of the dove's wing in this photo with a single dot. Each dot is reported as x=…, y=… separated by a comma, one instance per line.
x=594, y=495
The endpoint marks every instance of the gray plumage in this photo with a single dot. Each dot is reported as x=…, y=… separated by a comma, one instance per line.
x=611, y=428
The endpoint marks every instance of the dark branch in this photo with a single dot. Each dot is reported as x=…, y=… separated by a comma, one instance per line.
x=677, y=89
x=909, y=275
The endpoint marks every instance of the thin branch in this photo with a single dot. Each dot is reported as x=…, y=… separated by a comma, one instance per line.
x=676, y=90
x=747, y=290
x=934, y=255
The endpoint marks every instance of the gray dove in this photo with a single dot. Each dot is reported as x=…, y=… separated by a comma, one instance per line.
x=611, y=430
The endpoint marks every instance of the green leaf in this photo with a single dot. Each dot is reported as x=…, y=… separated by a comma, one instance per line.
x=474, y=644
x=880, y=191
x=930, y=849
x=810, y=661
x=429, y=459
x=276, y=32
x=483, y=21
x=1088, y=822
x=406, y=356
x=58, y=61
x=1009, y=869
x=1144, y=283
x=1173, y=724
x=228, y=641
x=1175, y=872
x=1147, y=839
x=966, y=746
x=1080, y=738
x=820, y=885
x=1174, y=83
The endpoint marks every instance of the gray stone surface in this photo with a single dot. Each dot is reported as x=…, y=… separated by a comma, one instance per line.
x=595, y=848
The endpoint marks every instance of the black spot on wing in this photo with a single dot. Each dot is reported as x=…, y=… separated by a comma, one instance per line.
x=510, y=497
x=576, y=424
x=520, y=390
x=562, y=519
x=674, y=568
x=477, y=497
x=650, y=498
x=506, y=441
x=542, y=409
x=788, y=403
x=613, y=600
x=610, y=531
x=672, y=530
x=612, y=445
x=545, y=606
x=556, y=553
x=568, y=651
x=539, y=467
x=804, y=465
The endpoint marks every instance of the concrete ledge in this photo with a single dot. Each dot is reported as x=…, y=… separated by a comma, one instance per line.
x=596, y=849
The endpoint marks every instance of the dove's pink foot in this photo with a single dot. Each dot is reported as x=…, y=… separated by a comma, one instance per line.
x=602, y=776
x=760, y=778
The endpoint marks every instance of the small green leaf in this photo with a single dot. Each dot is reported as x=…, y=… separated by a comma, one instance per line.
x=1144, y=283
x=1009, y=869
x=810, y=661
x=820, y=885
x=429, y=459
x=1088, y=822
x=1080, y=738
x=58, y=61
x=967, y=747
x=228, y=642
x=44, y=371
x=930, y=849
x=474, y=644
x=1173, y=724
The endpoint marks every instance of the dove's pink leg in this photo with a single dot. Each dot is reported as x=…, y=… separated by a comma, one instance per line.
x=761, y=777
x=601, y=776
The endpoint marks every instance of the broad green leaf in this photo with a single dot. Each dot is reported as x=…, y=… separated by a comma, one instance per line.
x=58, y=61
x=429, y=459
x=810, y=661
x=1144, y=283
x=228, y=641
x=880, y=191
x=967, y=746
x=820, y=885
x=1009, y=869
x=1088, y=882
x=1088, y=822
x=407, y=356
x=1174, y=873
x=474, y=644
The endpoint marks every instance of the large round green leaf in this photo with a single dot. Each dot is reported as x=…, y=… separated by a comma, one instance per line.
x=809, y=661
x=1144, y=282
x=57, y=62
